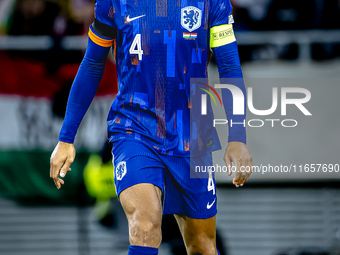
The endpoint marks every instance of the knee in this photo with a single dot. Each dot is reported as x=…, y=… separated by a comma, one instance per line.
x=145, y=231
x=202, y=245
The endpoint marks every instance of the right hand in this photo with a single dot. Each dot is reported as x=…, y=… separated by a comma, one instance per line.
x=61, y=159
x=238, y=153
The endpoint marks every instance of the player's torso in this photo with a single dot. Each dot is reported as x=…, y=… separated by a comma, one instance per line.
x=170, y=36
x=160, y=45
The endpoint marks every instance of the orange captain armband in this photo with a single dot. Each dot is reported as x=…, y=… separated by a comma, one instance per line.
x=100, y=41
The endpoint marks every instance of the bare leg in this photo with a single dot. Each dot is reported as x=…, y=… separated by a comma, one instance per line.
x=143, y=208
x=199, y=235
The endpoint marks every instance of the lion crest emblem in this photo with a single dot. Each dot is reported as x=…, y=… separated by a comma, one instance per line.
x=191, y=18
x=120, y=170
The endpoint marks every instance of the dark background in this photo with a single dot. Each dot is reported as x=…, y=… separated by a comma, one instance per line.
x=281, y=43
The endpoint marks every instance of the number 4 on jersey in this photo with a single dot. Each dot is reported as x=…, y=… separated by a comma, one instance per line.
x=136, y=47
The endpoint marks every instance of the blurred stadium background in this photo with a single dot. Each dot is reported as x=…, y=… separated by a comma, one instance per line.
x=41, y=45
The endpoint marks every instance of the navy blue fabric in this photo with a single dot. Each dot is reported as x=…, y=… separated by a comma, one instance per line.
x=154, y=87
x=142, y=250
x=185, y=191
x=104, y=13
x=220, y=11
x=83, y=89
x=230, y=72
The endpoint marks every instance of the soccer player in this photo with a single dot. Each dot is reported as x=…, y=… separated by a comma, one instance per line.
x=159, y=46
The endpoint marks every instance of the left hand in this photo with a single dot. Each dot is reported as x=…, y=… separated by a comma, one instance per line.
x=238, y=153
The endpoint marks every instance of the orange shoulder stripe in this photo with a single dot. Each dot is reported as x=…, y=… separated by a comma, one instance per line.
x=100, y=41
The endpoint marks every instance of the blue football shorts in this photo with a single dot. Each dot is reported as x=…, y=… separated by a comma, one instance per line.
x=184, y=189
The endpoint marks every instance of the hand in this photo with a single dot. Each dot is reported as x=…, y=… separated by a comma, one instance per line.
x=238, y=153
x=61, y=159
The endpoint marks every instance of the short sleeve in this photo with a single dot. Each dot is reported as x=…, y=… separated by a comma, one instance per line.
x=220, y=13
x=104, y=24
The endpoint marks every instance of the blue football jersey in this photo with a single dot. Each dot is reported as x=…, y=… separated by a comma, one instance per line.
x=159, y=46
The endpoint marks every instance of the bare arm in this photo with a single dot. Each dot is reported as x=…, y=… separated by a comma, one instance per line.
x=82, y=93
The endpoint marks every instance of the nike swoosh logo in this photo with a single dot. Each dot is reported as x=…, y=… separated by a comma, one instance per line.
x=210, y=205
x=129, y=20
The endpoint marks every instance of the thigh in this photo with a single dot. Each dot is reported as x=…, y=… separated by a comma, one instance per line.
x=143, y=198
x=139, y=180
x=143, y=208
x=199, y=235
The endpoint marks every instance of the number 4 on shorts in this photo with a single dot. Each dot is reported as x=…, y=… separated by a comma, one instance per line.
x=211, y=185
